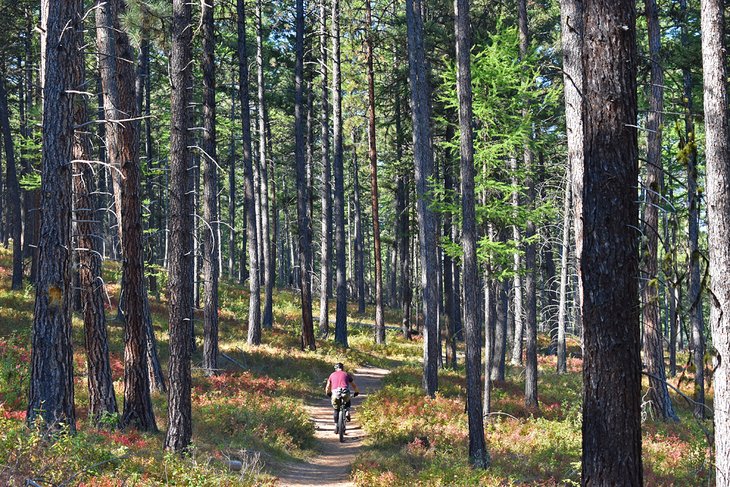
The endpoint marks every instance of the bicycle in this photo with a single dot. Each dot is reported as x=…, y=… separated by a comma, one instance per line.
x=340, y=401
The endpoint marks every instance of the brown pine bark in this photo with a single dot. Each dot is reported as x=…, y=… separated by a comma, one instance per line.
x=714, y=60
x=51, y=391
x=607, y=214
x=210, y=196
x=180, y=281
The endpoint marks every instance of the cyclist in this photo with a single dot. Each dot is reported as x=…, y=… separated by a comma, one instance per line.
x=340, y=383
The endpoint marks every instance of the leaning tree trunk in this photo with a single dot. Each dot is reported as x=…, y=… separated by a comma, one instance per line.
x=478, y=455
x=423, y=161
x=718, y=215
x=303, y=216
x=180, y=283
x=607, y=218
x=659, y=400
x=13, y=191
x=210, y=197
x=51, y=390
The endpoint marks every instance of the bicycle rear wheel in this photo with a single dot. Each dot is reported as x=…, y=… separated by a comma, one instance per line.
x=341, y=425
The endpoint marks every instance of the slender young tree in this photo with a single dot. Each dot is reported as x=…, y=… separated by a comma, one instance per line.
x=339, y=177
x=210, y=196
x=180, y=283
x=562, y=363
x=403, y=224
x=358, y=234
x=659, y=400
x=478, y=454
x=423, y=160
x=714, y=60
x=51, y=391
x=607, y=216
x=303, y=217
x=373, y=156
x=13, y=191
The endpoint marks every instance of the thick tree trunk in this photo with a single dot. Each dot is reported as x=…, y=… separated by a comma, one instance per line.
x=718, y=215
x=659, y=400
x=607, y=216
x=303, y=216
x=478, y=455
x=13, y=191
x=210, y=197
x=423, y=161
x=339, y=177
x=181, y=272
x=51, y=391
x=254, y=304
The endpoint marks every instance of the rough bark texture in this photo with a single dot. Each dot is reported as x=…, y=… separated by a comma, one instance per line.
x=254, y=303
x=607, y=247
x=423, y=161
x=210, y=197
x=51, y=391
x=478, y=454
x=718, y=214
x=13, y=191
x=373, y=156
x=659, y=401
x=180, y=283
x=303, y=216
x=338, y=170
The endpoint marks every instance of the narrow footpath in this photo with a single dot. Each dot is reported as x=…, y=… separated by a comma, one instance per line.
x=333, y=464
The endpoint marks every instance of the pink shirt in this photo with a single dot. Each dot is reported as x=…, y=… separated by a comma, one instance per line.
x=340, y=378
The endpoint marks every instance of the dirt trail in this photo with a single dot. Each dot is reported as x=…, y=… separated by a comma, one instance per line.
x=332, y=465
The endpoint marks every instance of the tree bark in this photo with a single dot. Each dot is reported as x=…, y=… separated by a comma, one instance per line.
x=478, y=455
x=210, y=196
x=517, y=236
x=423, y=161
x=718, y=228
x=659, y=400
x=181, y=272
x=51, y=391
x=303, y=216
x=12, y=191
x=339, y=177
x=607, y=216
x=562, y=365
x=359, y=245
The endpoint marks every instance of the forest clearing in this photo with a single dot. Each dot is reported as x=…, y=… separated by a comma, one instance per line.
x=508, y=223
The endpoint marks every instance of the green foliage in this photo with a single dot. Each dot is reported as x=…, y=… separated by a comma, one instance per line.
x=14, y=371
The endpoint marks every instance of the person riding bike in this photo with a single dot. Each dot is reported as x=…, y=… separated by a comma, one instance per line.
x=339, y=384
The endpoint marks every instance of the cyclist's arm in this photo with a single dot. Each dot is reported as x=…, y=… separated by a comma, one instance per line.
x=328, y=387
x=354, y=386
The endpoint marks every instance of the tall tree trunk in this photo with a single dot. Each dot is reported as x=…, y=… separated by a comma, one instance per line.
x=499, y=343
x=403, y=226
x=517, y=257
x=359, y=244
x=423, y=161
x=338, y=170
x=254, y=304
x=12, y=191
x=607, y=216
x=51, y=391
x=303, y=216
x=210, y=196
x=718, y=215
x=450, y=309
x=562, y=365
x=326, y=191
x=659, y=400
x=530, y=250
x=478, y=454
x=232, y=250
x=373, y=156
x=269, y=270
x=181, y=270
x=102, y=400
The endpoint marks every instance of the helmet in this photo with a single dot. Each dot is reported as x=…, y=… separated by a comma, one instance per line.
x=339, y=366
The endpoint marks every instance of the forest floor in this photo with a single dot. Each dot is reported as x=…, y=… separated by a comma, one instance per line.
x=333, y=464
x=266, y=412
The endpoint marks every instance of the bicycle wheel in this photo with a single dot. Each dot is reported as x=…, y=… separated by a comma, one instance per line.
x=341, y=425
